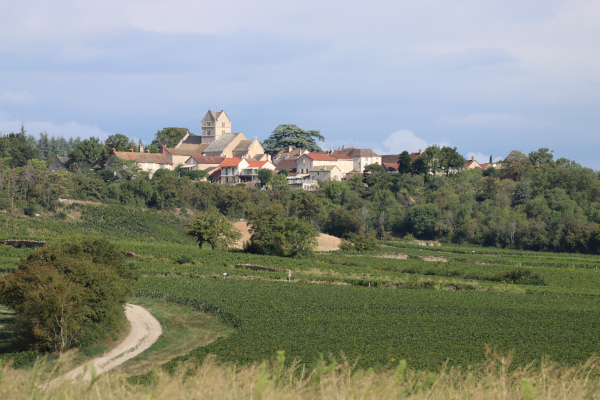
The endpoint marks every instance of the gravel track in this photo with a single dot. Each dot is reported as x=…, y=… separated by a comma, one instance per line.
x=145, y=330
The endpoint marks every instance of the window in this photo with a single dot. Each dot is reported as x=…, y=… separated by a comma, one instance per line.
x=223, y=124
x=208, y=132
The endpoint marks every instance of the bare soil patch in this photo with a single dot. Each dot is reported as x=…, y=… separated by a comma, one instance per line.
x=399, y=256
x=442, y=259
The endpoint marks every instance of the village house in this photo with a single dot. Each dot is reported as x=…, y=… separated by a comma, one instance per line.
x=306, y=162
x=241, y=170
x=149, y=162
x=59, y=163
x=325, y=173
x=361, y=157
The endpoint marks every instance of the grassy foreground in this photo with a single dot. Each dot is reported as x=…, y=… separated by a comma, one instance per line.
x=273, y=380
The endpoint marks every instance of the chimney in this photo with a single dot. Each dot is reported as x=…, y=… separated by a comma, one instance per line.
x=141, y=148
x=420, y=151
x=112, y=151
x=131, y=150
x=162, y=149
x=344, y=147
x=472, y=158
x=289, y=148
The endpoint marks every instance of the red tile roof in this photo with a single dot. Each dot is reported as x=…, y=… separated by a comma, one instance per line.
x=230, y=162
x=391, y=167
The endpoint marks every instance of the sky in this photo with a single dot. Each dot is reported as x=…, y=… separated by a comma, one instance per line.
x=487, y=77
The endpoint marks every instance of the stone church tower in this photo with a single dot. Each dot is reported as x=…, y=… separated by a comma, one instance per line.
x=214, y=125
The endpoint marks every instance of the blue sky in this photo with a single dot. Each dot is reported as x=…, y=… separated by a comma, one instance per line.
x=485, y=76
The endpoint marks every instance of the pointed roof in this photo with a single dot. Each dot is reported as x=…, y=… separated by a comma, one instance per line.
x=220, y=144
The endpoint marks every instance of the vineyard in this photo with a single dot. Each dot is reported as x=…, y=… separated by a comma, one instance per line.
x=376, y=325
x=425, y=304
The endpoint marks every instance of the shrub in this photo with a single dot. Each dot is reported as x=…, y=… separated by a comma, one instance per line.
x=360, y=242
x=67, y=293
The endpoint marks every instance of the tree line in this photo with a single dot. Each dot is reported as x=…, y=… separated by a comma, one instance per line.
x=534, y=202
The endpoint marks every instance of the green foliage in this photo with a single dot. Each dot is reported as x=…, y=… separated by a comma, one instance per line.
x=69, y=292
x=265, y=176
x=404, y=163
x=274, y=234
x=360, y=242
x=290, y=135
x=90, y=152
x=212, y=228
x=422, y=219
x=118, y=142
x=169, y=136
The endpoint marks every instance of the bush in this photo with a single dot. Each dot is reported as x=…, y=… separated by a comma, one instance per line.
x=360, y=242
x=68, y=293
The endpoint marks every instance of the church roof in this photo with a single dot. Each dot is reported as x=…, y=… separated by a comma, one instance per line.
x=221, y=143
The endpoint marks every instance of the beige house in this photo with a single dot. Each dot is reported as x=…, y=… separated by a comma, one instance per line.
x=306, y=162
x=202, y=163
x=325, y=173
x=240, y=170
x=361, y=157
x=149, y=162
x=344, y=162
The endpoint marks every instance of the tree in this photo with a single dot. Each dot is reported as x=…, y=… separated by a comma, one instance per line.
x=118, y=142
x=541, y=156
x=169, y=136
x=265, y=176
x=404, y=163
x=450, y=160
x=274, y=234
x=69, y=292
x=213, y=228
x=516, y=164
x=422, y=219
x=290, y=135
x=431, y=157
x=90, y=151
x=360, y=242
x=419, y=166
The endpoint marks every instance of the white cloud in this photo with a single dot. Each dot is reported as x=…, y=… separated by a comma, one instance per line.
x=22, y=97
x=400, y=141
x=66, y=130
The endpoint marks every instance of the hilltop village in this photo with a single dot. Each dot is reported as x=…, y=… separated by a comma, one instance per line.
x=230, y=157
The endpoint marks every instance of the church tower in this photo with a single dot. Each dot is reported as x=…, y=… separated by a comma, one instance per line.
x=214, y=125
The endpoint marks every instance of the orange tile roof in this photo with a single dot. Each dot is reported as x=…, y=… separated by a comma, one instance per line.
x=230, y=162
x=319, y=157
x=256, y=164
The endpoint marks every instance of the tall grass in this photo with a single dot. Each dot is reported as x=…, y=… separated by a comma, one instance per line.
x=325, y=380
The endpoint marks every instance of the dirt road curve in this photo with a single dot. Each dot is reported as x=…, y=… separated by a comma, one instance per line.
x=145, y=330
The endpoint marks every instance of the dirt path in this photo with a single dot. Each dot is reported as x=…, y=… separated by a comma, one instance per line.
x=145, y=330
